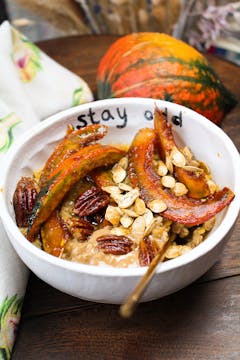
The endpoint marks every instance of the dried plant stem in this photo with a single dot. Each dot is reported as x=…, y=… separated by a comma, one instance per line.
x=128, y=307
x=179, y=27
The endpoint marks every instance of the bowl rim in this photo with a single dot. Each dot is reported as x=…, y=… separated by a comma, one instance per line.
x=108, y=271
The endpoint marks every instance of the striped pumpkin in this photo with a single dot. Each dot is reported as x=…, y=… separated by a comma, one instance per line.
x=159, y=66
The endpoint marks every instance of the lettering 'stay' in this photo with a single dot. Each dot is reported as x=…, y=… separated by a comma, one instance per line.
x=119, y=117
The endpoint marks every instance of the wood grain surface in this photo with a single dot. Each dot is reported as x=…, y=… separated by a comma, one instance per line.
x=199, y=322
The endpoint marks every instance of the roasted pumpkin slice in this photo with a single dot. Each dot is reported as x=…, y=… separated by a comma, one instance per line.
x=196, y=182
x=102, y=177
x=180, y=209
x=69, y=172
x=54, y=234
x=73, y=141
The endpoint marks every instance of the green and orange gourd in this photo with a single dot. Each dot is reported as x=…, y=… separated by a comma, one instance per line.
x=156, y=65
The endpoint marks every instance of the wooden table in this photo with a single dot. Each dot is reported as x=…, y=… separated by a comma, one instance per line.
x=201, y=321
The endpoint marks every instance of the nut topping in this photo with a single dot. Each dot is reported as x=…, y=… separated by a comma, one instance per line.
x=177, y=158
x=157, y=206
x=113, y=215
x=156, y=202
x=79, y=228
x=128, y=199
x=147, y=251
x=24, y=200
x=91, y=201
x=114, y=244
x=118, y=173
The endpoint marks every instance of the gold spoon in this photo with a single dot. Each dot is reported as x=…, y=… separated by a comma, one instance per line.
x=129, y=305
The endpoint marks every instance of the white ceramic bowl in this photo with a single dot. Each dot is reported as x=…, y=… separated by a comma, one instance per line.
x=123, y=116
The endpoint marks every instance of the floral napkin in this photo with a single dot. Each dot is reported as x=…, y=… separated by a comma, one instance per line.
x=32, y=87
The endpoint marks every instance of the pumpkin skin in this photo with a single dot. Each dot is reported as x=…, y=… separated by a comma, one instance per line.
x=158, y=66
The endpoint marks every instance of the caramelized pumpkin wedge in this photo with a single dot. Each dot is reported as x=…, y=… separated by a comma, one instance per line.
x=54, y=234
x=102, y=177
x=65, y=176
x=73, y=141
x=196, y=182
x=180, y=209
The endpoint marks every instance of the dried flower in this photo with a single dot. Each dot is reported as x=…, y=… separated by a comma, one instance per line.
x=201, y=23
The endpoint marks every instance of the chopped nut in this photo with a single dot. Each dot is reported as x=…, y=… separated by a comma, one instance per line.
x=139, y=206
x=208, y=225
x=148, y=216
x=119, y=230
x=194, y=163
x=127, y=181
x=112, y=190
x=124, y=187
x=197, y=237
x=187, y=153
x=149, y=227
x=157, y=206
x=176, y=250
x=139, y=225
x=126, y=200
x=179, y=189
x=130, y=213
x=212, y=186
x=113, y=215
x=184, y=232
x=169, y=164
x=168, y=181
x=162, y=169
x=123, y=162
x=176, y=227
x=177, y=158
x=118, y=173
x=204, y=166
x=193, y=169
x=201, y=230
x=159, y=231
x=126, y=221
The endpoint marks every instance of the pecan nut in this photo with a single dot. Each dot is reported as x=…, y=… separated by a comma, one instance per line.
x=147, y=251
x=79, y=228
x=91, y=201
x=114, y=244
x=24, y=199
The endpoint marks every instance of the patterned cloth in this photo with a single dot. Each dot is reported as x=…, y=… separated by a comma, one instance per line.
x=32, y=87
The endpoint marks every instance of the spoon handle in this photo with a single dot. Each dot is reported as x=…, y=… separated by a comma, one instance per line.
x=129, y=305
